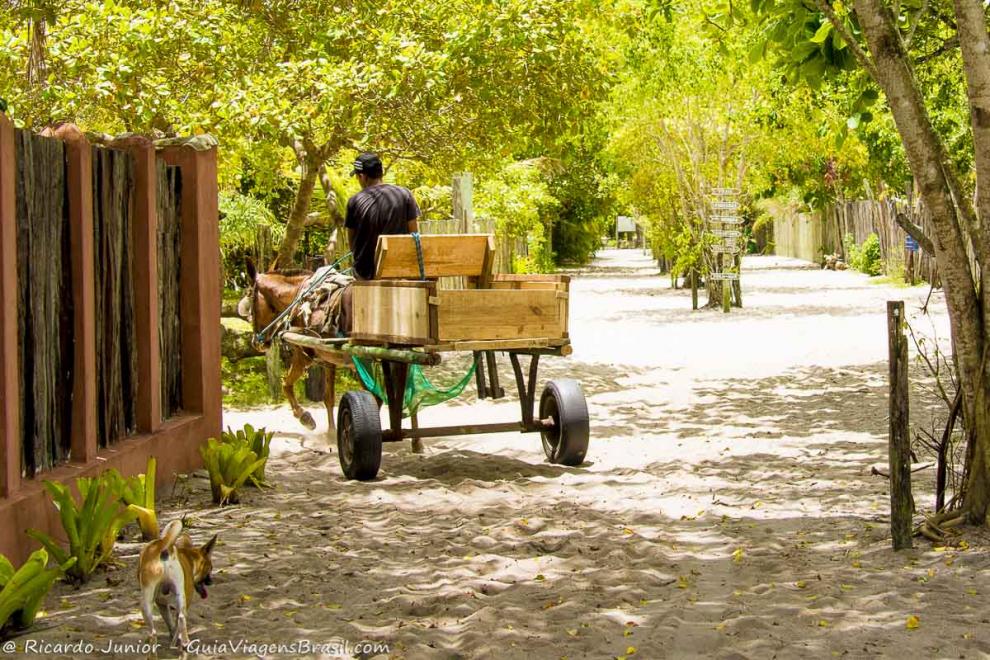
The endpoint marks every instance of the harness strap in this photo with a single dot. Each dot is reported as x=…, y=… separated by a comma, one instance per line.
x=419, y=255
x=314, y=282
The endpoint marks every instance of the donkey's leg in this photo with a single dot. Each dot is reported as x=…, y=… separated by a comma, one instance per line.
x=296, y=370
x=329, y=395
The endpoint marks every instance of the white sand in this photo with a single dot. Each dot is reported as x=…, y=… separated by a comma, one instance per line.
x=726, y=509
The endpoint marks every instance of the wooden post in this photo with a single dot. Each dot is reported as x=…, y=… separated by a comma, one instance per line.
x=737, y=283
x=694, y=288
x=726, y=284
x=10, y=423
x=81, y=241
x=901, y=500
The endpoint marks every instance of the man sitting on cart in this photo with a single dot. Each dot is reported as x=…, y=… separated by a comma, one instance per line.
x=379, y=208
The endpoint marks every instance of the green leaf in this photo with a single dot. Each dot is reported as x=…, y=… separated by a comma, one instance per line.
x=822, y=34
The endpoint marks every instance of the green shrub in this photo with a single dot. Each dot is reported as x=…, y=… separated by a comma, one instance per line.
x=258, y=440
x=91, y=525
x=229, y=464
x=865, y=258
x=138, y=493
x=22, y=591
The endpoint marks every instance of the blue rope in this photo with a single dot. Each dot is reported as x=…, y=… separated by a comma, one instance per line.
x=419, y=255
x=260, y=337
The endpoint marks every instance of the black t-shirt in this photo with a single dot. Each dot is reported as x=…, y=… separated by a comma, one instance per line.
x=377, y=210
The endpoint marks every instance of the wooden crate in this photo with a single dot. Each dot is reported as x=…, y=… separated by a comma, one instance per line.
x=512, y=310
x=414, y=313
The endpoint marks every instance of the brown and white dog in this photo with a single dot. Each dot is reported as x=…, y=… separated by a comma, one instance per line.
x=172, y=566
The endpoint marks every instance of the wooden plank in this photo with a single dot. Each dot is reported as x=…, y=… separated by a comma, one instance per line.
x=395, y=314
x=539, y=277
x=480, y=314
x=444, y=255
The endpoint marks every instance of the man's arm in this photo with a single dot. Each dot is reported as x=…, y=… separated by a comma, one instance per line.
x=412, y=212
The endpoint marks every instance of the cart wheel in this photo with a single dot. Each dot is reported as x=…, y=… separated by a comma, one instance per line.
x=563, y=402
x=359, y=436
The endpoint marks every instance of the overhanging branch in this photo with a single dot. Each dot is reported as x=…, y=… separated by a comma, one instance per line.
x=915, y=232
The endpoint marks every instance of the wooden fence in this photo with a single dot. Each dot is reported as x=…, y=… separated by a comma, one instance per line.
x=810, y=236
x=102, y=362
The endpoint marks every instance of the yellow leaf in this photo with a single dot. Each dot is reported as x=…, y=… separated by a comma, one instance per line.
x=539, y=577
x=333, y=606
x=137, y=624
x=931, y=572
x=758, y=504
x=913, y=622
x=971, y=592
x=963, y=545
x=846, y=587
x=643, y=601
x=800, y=584
x=737, y=556
x=822, y=623
x=682, y=582
x=246, y=597
x=627, y=633
x=631, y=650
x=967, y=635
x=572, y=632
x=627, y=531
x=857, y=564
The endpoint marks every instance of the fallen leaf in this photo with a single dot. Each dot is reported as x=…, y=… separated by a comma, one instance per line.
x=572, y=632
x=539, y=577
x=913, y=622
x=737, y=556
x=682, y=582
x=846, y=587
x=857, y=564
x=971, y=592
x=627, y=531
x=631, y=650
x=246, y=597
x=333, y=606
x=627, y=633
x=967, y=635
x=822, y=623
x=800, y=584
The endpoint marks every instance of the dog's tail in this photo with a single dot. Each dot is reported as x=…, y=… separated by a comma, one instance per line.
x=170, y=535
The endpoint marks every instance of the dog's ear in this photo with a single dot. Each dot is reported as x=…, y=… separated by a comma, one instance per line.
x=208, y=546
x=252, y=272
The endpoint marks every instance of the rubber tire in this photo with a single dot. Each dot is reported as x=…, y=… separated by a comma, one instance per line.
x=359, y=436
x=567, y=442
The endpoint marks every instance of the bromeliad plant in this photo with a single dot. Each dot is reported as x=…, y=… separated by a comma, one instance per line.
x=91, y=525
x=230, y=464
x=258, y=440
x=22, y=591
x=138, y=493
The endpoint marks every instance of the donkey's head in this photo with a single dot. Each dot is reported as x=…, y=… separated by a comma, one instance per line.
x=267, y=296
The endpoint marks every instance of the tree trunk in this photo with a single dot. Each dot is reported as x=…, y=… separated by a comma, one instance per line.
x=310, y=160
x=953, y=219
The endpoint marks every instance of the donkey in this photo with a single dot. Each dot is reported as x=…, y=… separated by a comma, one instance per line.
x=269, y=294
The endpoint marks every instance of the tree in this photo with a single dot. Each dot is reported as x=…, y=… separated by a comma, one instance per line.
x=883, y=43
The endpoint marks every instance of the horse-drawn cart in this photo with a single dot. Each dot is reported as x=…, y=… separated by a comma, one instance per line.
x=403, y=318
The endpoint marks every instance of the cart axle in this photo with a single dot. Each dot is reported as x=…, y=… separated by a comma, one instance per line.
x=391, y=435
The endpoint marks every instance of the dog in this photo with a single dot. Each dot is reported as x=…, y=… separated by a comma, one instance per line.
x=171, y=566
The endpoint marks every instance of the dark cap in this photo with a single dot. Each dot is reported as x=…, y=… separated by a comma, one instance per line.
x=369, y=164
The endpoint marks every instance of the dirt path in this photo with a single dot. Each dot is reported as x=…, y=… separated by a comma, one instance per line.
x=726, y=509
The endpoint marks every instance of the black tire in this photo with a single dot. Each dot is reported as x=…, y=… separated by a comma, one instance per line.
x=359, y=436
x=563, y=402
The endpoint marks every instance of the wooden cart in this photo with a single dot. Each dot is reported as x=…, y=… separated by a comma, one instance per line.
x=403, y=317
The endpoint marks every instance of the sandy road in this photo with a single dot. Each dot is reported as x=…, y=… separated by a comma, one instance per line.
x=726, y=508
